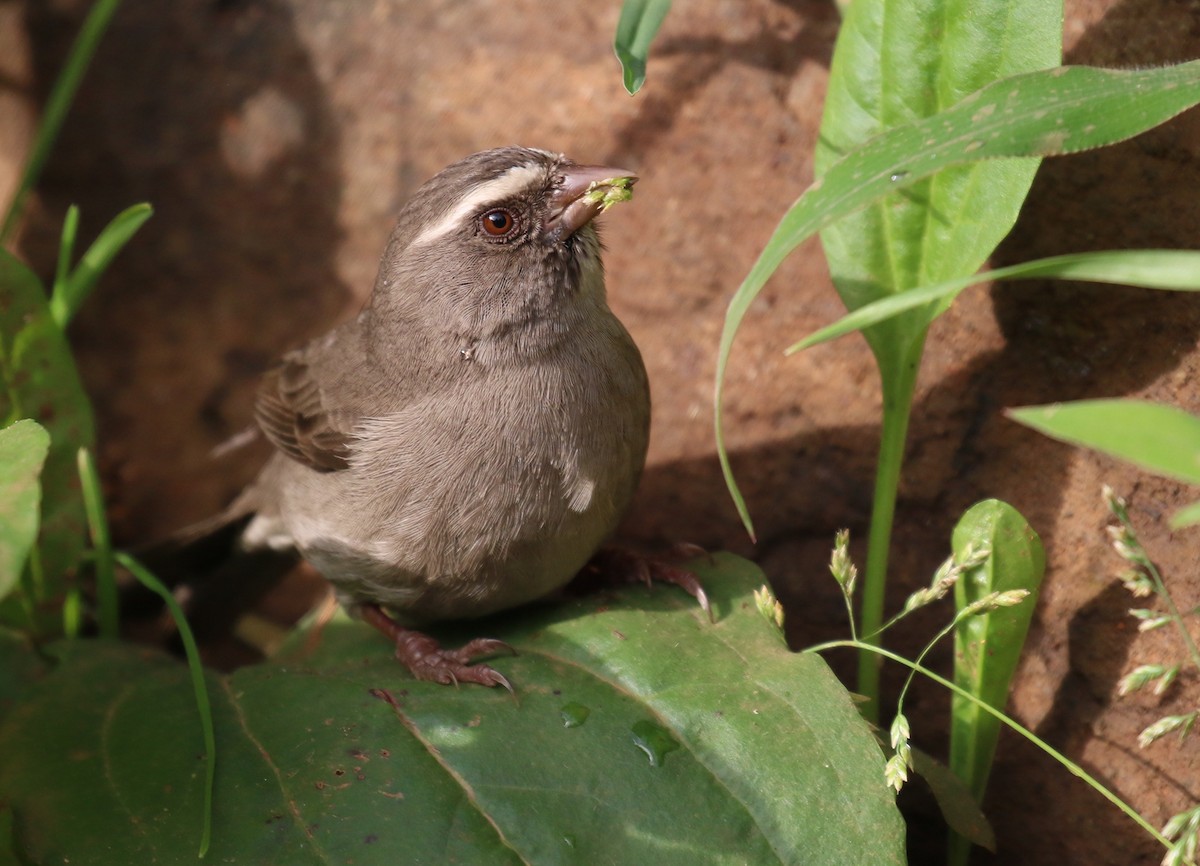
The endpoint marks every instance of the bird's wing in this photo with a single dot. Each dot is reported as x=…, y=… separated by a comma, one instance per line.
x=296, y=408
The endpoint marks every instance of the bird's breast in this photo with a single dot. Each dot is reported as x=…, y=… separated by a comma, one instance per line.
x=486, y=493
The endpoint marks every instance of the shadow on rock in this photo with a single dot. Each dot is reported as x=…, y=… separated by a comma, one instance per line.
x=213, y=113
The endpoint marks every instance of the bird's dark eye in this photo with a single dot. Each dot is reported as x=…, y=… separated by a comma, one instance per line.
x=498, y=223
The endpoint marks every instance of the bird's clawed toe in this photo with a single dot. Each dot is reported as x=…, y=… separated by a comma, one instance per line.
x=619, y=564
x=428, y=661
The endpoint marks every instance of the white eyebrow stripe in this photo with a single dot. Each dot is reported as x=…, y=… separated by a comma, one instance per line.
x=506, y=185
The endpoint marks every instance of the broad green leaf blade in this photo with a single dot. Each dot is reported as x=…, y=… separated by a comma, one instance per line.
x=1173, y=270
x=636, y=29
x=23, y=448
x=900, y=61
x=1162, y=439
x=338, y=754
x=1045, y=113
x=66, y=302
x=58, y=104
x=987, y=647
x=41, y=382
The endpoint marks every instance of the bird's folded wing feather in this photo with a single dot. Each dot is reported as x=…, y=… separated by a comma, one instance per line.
x=295, y=410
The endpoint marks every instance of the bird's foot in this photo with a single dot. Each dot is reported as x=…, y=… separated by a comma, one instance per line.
x=621, y=564
x=426, y=659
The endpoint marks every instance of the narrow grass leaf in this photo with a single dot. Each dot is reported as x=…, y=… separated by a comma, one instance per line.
x=23, y=449
x=636, y=29
x=57, y=105
x=66, y=254
x=102, y=552
x=1163, y=439
x=1173, y=270
x=199, y=689
x=65, y=303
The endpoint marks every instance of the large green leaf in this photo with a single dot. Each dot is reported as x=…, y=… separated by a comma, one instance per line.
x=23, y=448
x=1051, y=112
x=41, y=382
x=1163, y=439
x=901, y=61
x=987, y=647
x=639, y=732
x=1160, y=438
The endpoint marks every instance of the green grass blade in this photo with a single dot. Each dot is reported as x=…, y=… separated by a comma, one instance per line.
x=65, y=303
x=1173, y=270
x=66, y=252
x=636, y=29
x=106, y=581
x=1162, y=439
x=1045, y=113
x=23, y=449
x=196, y=669
x=58, y=105
x=987, y=647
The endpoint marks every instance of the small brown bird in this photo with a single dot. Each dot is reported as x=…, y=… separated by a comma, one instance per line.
x=469, y=441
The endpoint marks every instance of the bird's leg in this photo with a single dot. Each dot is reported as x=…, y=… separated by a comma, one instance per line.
x=618, y=563
x=422, y=655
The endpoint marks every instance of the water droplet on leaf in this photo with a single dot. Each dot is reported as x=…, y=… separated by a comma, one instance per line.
x=654, y=741
x=574, y=715
x=898, y=176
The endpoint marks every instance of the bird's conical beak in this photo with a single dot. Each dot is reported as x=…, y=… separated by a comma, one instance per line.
x=586, y=190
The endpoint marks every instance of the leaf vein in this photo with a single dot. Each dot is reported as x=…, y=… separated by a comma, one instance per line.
x=293, y=808
x=106, y=752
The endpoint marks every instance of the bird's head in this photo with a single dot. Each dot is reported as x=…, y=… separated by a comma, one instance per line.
x=500, y=242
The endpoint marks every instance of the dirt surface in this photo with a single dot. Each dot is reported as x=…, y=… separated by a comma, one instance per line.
x=276, y=138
